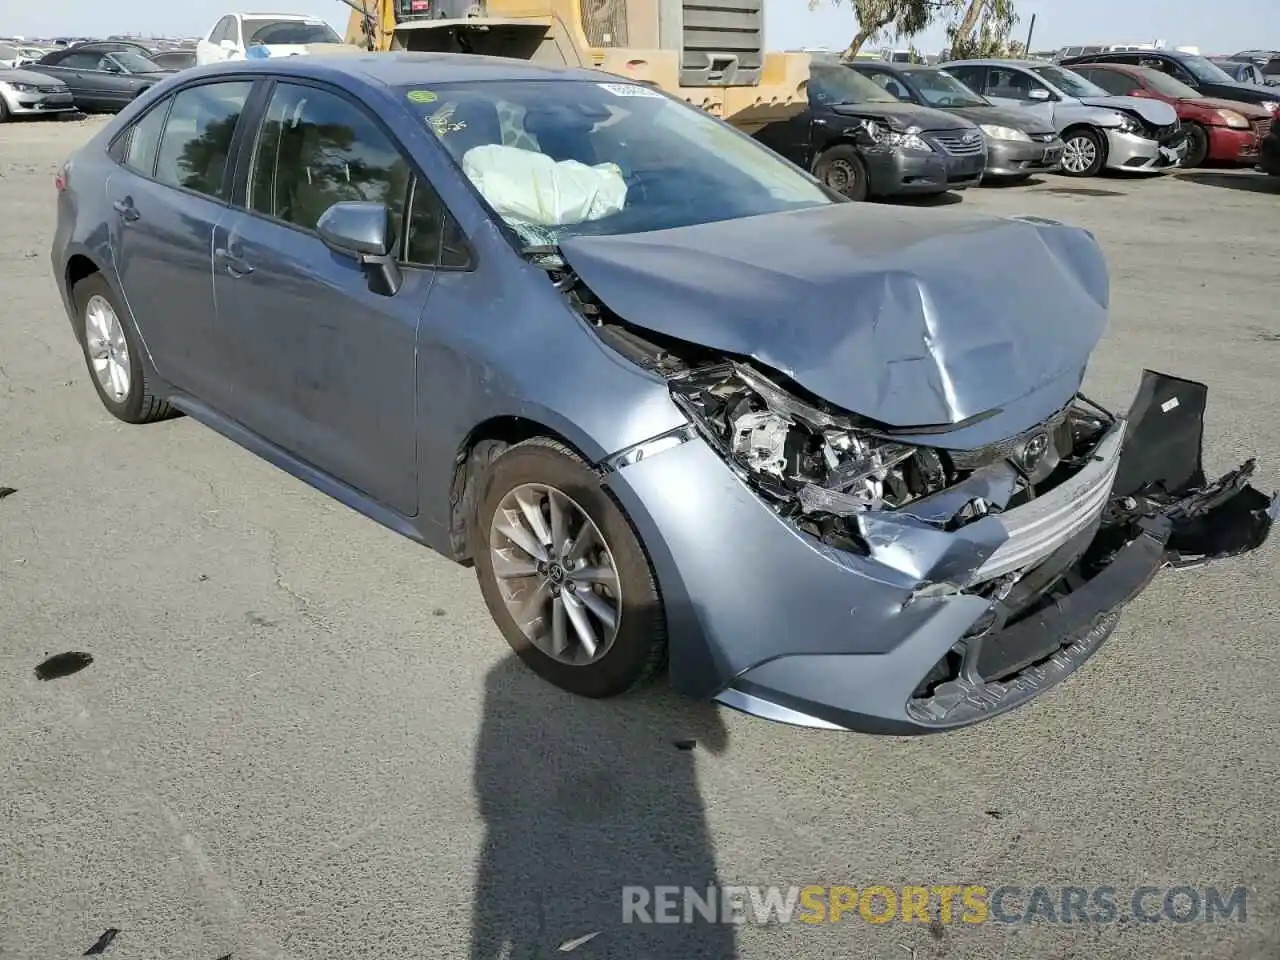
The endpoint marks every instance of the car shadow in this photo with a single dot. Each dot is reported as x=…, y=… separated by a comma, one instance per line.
x=1010, y=183
x=1248, y=180
x=928, y=200
x=581, y=799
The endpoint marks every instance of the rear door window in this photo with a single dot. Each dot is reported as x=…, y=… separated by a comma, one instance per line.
x=972, y=77
x=1111, y=81
x=197, y=138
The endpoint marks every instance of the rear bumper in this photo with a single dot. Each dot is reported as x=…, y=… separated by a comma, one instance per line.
x=1012, y=158
x=1127, y=151
x=905, y=173
x=1233, y=146
x=932, y=628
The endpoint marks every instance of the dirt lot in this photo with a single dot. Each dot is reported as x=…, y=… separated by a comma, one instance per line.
x=301, y=736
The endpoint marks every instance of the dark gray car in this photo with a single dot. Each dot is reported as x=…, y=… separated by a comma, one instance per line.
x=1019, y=143
x=675, y=401
x=102, y=80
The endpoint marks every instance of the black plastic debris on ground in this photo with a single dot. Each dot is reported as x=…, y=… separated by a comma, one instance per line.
x=7, y=492
x=63, y=665
x=104, y=941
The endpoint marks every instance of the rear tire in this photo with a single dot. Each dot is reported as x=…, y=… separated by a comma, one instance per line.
x=1085, y=152
x=1197, y=146
x=843, y=170
x=4, y=110
x=113, y=354
x=515, y=583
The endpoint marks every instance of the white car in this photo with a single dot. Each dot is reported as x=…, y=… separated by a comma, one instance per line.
x=279, y=34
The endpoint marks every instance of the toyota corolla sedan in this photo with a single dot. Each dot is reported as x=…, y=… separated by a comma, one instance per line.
x=676, y=401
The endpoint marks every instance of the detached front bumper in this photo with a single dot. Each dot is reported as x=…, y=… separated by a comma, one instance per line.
x=1128, y=151
x=932, y=629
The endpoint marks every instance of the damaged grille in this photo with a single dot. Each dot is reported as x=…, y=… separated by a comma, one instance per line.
x=959, y=144
x=1262, y=127
x=1041, y=526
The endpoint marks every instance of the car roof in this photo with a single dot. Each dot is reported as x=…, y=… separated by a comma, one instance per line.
x=403, y=68
x=275, y=16
x=995, y=62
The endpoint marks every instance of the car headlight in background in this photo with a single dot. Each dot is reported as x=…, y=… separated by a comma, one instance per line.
x=1232, y=119
x=908, y=139
x=19, y=87
x=997, y=132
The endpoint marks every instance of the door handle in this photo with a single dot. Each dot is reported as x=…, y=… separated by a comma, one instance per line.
x=128, y=212
x=819, y=122
x=236, y=266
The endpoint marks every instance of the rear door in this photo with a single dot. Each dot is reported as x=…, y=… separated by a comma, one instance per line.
x=973, y=76
x=314, y=360
x=168, y=193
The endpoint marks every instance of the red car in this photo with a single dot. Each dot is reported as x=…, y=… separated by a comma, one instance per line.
x=1222, y=130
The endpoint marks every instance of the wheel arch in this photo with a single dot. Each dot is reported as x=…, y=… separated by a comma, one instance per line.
x=482, y=444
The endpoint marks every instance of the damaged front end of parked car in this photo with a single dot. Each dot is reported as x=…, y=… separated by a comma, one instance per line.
x=1052, y=531
x=914, y=566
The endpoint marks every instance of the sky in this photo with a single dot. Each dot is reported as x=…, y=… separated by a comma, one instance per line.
x=1224, y=26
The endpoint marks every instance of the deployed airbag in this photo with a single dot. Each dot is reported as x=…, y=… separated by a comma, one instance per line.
x=528, y=187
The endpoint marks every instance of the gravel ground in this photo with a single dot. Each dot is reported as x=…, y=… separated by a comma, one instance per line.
x=301, y=735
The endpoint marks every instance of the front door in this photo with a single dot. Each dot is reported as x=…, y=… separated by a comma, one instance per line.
x=314, y=360
x=167, y=197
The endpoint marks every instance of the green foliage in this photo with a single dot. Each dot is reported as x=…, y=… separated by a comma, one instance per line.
x=975, y=28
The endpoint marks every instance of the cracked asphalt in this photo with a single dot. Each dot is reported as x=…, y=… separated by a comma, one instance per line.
x=301, y=737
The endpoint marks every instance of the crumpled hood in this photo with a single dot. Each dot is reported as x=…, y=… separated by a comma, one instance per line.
x=905, y=115
x=908, y=317
x=1153, y=111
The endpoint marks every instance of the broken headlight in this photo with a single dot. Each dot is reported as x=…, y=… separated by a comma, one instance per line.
x=805, y=459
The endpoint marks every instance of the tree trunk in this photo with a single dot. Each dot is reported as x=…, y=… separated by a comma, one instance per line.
x=865, y=33
x=964, y=32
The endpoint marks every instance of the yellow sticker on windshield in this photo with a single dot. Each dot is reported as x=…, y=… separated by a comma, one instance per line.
x=421, y=96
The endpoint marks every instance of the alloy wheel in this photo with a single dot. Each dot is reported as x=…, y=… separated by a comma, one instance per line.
x=555, y=573
x=107, y=348
x=1079, y=154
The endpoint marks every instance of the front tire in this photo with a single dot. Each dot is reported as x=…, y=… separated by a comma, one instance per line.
x=1197, y=146
x=113, y=355
x=564, y=574
x=843, y=170
x=1084, y=153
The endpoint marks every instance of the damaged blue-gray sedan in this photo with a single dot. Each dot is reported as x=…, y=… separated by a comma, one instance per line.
x=676, y=402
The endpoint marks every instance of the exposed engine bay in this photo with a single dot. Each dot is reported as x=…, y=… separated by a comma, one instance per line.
x=822, y=468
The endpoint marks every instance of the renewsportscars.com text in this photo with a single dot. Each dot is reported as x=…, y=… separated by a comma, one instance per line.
x=968, y=904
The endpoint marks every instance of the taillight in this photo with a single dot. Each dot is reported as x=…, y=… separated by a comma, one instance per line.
x=60, y=181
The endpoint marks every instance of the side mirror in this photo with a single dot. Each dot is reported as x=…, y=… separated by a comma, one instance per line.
x=1038, y=93
x=365, y=232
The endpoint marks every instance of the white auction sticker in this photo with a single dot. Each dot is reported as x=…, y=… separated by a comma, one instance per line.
x=1169, y=405
x=629, y=90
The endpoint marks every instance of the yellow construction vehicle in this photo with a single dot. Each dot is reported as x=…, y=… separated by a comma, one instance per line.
x=709, y=52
